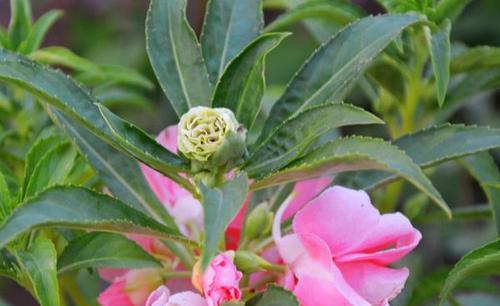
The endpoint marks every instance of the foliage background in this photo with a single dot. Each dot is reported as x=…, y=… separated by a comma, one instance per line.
x=112, y=32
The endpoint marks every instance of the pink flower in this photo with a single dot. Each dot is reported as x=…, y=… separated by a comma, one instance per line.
x=131, y=289
x=340, y=249
x=162, y=297
x=220, y=281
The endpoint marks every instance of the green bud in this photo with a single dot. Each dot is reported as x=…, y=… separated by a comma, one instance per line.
x=249, y=262
x=259, y=222
x=212, y=139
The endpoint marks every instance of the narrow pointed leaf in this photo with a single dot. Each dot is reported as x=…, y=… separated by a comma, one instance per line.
x=78, y=104
x=439, y=45
x=449, y=9
x=338, y=12
x=335, y=67
x=484, y=169
x=5, y=198
x=104, y=250
x=351, y=154
x=481, y=261
x=51, y=169
x=75, y=207
x=220, y=206
x=40, y=264
x=229, y=26
x=433, y=146
x=478, y=58
x=241, y=88
x=295, y=135
x=20, y=21
x=121, y=174
x=38, y=32
x=175, y=55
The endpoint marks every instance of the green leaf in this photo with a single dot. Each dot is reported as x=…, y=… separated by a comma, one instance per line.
x=175, y=56
x=274, y=296
x=336, y=11
x=242, y=85
x=484, y=169
x=4, y=38
x=104, y=250
x=37, y=33
x=334, y=68
x=296, y=134
x=439, y=45
x=449, y=9
x=351, y=154
x=436, y=145
x=90, y=73
x=229, y=26
x=121, y=174
x=78, y=104
x=79, y=208
x=481, y=261
x=5, y=198
x=39, y=263
x=220, y=205
x=20, y=21
x=52, y=169
x=477, y=58
x=38, y=150
x=135, y=143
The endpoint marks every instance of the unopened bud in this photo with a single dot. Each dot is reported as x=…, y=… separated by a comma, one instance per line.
x=259, y=222
x=249, y=262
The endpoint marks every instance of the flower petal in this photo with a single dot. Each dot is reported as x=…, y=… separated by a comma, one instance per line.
x=159, y=297
x=305, y=191
x=390, y=240
x=376, y=283
x=339, y=216
x=186, y=298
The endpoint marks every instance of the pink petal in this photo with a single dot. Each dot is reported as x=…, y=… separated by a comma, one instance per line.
x=110, y=275
x=233, y=231
x=305, y=191
x=168, y=138
x=187, y=298
x=390, y=240
x=159, y=297
x=339, y=216
x=377, y=284
x=115, y=295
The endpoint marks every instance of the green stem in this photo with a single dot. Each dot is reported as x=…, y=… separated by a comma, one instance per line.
x=176, y=275
x=71, y=288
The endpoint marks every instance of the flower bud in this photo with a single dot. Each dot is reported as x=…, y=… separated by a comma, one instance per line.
x=258, y=222
x=249, y=262
x=211, y=137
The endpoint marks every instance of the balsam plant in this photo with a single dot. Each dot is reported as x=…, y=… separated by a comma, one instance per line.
x=56, y=221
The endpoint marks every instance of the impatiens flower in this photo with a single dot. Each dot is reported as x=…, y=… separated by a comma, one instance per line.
x=131, y=289
x=220, y=281
x=340, y=248
x=162, y=297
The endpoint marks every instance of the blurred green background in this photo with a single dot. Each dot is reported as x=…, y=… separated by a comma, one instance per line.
x=112, y=32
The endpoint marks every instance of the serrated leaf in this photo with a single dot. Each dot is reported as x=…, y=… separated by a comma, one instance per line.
x=39, y=263
x=481, y=261
x=484, y=169
x=80, y=208
x=351, y=154
x=51, y=169
x=175, y=56
x=334, y=68
x=129, y=141
x=440, y=50
x=242, y=85
x=20, y=21
x=104, y=250
x=37, y=33
x=89, y=72
x=433, y=146
x=338, y=11
x=274, y=296
x=121, y=174
x=229, y=26
x=483, y=57
x=78, y=104
x=296, y=134
x=220, y=205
